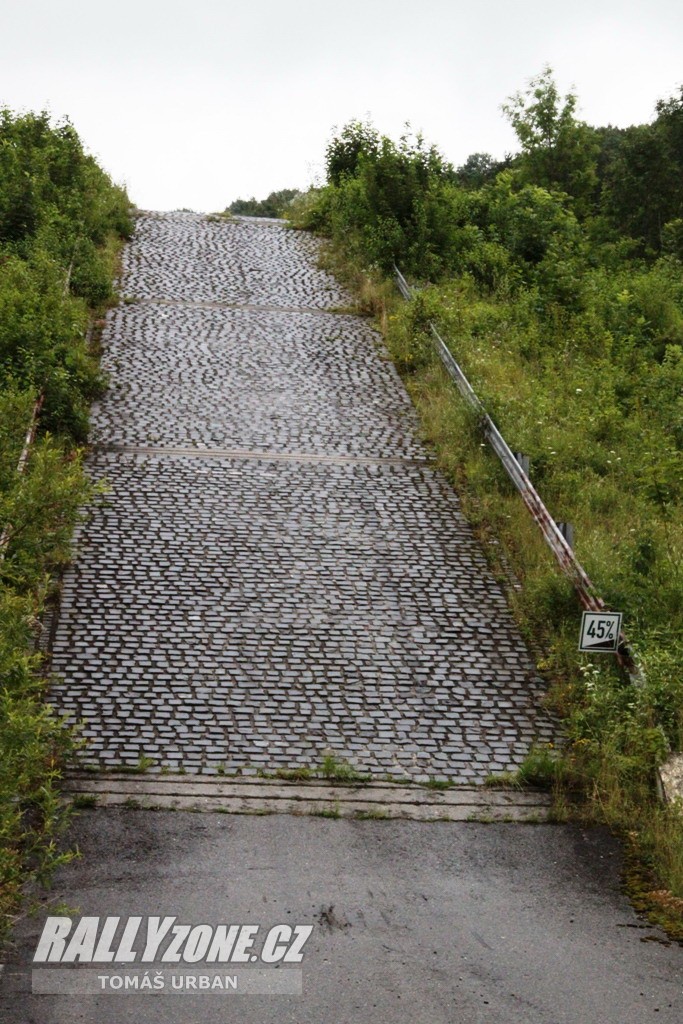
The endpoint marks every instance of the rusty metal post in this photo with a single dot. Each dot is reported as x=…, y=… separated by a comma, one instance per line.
x=21, y=466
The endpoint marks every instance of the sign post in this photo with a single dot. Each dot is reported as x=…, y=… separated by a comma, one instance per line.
x=600, y=631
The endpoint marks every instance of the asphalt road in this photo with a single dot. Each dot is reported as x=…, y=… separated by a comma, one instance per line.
x=444, y=923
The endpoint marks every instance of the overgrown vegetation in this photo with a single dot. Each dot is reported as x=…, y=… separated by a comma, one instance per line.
x=274, y=205
x=60, y=221
x=557, y=276
x=336, y=769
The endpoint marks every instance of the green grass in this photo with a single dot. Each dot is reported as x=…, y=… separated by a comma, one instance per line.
x=594, y=462
x=332, y=812
x=438, y=784
x=143, y=765
x=617, y=735
x=84, y=801
x=561, y=296
x=302, y=774
x=335, y=769
x=503, y=780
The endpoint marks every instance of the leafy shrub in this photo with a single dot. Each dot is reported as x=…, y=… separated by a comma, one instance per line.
x=274, y=205
x=558, y=281
x=60, y=216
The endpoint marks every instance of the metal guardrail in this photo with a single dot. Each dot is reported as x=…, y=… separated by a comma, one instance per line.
x=554, y=538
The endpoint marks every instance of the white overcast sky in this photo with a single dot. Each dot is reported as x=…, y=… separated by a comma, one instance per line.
x=193, y=103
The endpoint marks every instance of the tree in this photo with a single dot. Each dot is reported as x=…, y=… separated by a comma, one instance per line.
x=558, y=151
x=480, y=169
x=643, y=189
x=344, y=152
x=273, y=205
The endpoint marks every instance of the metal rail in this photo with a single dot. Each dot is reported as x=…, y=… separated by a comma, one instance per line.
x=566, y=559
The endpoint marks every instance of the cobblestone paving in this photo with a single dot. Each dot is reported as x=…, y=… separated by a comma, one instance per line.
x=276, y=571
x=185, y=257
x=272, y=381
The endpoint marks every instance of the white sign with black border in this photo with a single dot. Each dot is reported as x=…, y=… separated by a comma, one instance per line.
x=600, y=631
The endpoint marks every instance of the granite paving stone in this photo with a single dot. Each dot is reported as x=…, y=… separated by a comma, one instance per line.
x=276, y=570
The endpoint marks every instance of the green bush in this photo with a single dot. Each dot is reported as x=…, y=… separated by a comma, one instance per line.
x=558, y=282
x=274, y=205
x=60, y=222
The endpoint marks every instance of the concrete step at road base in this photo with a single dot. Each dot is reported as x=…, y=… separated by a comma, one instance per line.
x=275, y=796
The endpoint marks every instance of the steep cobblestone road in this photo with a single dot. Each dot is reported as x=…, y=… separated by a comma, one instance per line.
x=276, y=570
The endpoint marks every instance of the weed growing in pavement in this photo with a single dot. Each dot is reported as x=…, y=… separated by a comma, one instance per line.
x=433, y=783
x=144, y=764
x=503, y=780
x=84, y=801
x=335, y=769
x=331, y=812
x=302, y=774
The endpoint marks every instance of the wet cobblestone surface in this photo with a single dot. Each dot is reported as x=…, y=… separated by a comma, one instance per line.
x=258, y=379
x=299, y=579
x=188, y=257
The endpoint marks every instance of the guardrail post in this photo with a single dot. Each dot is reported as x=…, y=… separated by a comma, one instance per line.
x=524, y=461
x=567, y=531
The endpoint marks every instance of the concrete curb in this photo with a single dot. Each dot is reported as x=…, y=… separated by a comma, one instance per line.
x=274, y=796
